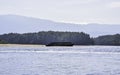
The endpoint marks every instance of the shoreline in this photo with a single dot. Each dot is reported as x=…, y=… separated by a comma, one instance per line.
x=49, y=46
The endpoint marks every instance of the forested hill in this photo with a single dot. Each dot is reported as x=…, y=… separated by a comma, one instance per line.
x=108, y=40
x=2, y=42
x=77, y=38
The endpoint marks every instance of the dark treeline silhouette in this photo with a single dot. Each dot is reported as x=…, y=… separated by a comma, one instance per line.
x=2, y=42
x=77, y=38
x=44, y=38
x=108, y=40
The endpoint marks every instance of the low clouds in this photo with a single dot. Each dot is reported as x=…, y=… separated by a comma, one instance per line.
x=76, y=11
x=114, y=4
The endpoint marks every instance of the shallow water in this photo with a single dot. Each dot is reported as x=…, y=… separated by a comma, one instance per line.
x=77, y=60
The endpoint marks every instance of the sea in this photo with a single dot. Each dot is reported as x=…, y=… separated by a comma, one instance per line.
x=18, y=59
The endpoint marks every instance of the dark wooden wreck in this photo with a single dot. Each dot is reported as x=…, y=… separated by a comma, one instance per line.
x=60, y=44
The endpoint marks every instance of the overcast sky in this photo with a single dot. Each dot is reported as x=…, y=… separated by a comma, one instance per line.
x=74, y=11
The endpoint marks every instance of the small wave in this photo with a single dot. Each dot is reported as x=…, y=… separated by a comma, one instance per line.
x=73, y=52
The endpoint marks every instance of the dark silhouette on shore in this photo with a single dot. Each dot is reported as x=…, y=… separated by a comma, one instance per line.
x=60, y=44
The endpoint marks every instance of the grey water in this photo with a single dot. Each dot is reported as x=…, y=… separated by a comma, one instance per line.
x=76, y=60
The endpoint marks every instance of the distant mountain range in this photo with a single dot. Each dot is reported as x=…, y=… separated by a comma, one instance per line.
x=22, y=24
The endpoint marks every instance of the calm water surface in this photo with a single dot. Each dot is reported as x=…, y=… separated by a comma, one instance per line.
x=77, y=60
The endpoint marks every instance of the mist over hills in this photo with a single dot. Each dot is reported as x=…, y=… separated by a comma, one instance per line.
x=23, y=24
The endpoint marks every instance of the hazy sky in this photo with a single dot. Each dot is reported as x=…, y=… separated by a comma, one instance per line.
x=74, y=11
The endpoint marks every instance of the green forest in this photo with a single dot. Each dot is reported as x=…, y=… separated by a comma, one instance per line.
x=46, y=37
x=2, y=42
x=108, y=40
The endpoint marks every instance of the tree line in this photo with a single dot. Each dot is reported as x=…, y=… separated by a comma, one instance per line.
x=108, y=40
x=47, y=37
x=2, y=42
x=44, y=38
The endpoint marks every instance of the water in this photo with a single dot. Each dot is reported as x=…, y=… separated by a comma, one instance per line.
x=77, y=60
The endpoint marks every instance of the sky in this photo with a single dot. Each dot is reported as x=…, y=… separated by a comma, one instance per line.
x=72, y=11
